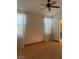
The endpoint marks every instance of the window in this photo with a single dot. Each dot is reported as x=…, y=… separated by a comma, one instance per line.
x=21, y=21
x=47, y=25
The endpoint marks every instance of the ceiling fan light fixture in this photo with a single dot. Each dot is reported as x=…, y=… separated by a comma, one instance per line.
x=49, y=5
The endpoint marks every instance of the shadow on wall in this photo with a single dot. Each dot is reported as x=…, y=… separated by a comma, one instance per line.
x=20, y=42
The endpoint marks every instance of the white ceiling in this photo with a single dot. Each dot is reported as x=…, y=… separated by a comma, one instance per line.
x=34, y=6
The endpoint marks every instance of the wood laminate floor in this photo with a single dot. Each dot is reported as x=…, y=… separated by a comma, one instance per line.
x=43, y=50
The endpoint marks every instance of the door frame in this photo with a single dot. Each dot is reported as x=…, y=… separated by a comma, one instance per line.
x=60, y=21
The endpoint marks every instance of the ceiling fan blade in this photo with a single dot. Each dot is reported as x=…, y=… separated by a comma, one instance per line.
x=43, y=8
x=43, y=4
x=55, y=6
x=53, y=2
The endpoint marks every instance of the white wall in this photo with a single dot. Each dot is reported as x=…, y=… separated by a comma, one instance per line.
x=55, y=27
x=55, y=19
x=34, y=28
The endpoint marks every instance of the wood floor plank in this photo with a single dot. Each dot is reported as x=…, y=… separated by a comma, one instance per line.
x=44, y=50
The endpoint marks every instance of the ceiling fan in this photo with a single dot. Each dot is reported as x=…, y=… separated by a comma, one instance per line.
x=49, y=5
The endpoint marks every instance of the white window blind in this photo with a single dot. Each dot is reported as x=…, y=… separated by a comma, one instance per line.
x=21, y=22
x=47, y=25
